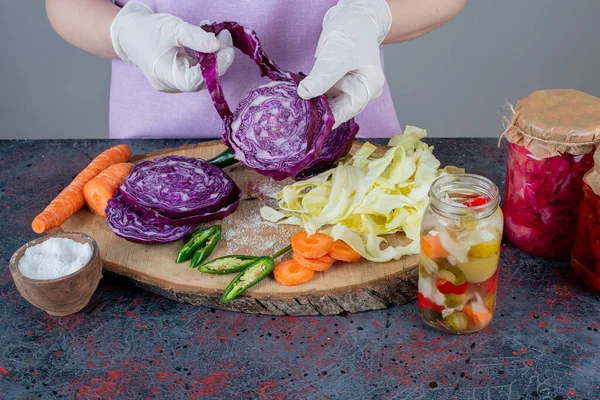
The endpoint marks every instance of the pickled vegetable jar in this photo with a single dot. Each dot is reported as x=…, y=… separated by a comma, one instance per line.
x=552, y=136
x=585, y=258
x=461, y=235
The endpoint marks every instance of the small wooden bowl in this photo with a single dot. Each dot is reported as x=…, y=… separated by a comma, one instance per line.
x=65, y=295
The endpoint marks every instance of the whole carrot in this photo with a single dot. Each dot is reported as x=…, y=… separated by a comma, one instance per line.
x=71, y=199
x=100, y=189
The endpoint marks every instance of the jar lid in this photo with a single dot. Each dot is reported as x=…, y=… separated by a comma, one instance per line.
x=551, y=122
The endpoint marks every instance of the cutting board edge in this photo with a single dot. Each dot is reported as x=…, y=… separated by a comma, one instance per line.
x=397, y=289
x=137, y=157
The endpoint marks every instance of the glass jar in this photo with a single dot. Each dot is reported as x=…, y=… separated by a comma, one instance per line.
x=541, y=200
x=552, y=136
x=461, y=235
x=585, y=259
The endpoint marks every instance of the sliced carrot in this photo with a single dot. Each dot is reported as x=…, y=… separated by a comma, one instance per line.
x=432, y=247
x=71, y=199
x=341, y=251
x=99, y=190
x=313, y=246
x=290, y=273
x=316, y=264
x=481, y=318
x=327, y=258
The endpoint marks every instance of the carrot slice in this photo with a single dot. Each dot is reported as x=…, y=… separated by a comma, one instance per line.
x=102, y=188
x=342, y=252
x=432, y=247
x=316, y=264
x=313, y=246
x=290, y=273
x=327, y=258
x=479, y=318
x=71, y=199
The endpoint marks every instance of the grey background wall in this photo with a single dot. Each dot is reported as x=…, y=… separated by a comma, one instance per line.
x=453, y=81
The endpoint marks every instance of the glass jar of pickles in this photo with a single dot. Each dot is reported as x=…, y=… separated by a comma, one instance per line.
x=461, y=235
x=552, y=135
x=585, y=259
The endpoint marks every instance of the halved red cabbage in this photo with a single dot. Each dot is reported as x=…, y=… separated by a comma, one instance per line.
x=275, y=135
x=125, y=222
x=177, y=186
x=338, y=144
x=541, y=204
x=273, y=130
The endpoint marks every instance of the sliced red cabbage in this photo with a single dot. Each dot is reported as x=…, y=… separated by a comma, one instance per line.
x=153, y=217
x=541, y=204
x=177, y=186
x=125, y=222
x=273, y=130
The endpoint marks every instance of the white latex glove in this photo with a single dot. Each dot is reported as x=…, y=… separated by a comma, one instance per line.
x=154, y=42
x=348, y=64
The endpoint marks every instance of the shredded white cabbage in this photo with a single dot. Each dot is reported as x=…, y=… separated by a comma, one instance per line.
x=365, y=197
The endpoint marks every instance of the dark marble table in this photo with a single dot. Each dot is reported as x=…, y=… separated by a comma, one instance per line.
x=127, y=343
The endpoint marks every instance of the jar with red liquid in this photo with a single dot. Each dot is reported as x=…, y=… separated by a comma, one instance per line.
x=552, y=136
x=585, y=258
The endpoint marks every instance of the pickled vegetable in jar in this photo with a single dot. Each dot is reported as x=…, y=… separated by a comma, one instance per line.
x=461, y=235
x=585, y=258
x=552, y=136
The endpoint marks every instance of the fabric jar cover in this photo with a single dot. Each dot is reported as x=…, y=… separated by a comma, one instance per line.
x=549, y=123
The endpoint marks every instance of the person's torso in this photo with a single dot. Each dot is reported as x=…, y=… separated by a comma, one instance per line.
x=289, y=32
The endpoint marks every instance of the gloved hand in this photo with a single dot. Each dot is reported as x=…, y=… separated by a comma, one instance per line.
x=348, y=64
x=154, y=42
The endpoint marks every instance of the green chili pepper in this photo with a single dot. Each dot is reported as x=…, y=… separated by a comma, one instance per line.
x=196, y=239
x=254, y=273
x=224, y=159
x=281, y=252
x=205, y=251
x=227, y=265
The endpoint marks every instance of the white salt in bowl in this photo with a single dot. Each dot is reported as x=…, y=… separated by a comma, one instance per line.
x=67, y=294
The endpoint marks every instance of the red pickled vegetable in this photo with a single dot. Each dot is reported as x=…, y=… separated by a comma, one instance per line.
x=590, y=278
x=595, y=241
x=477, y=201
x=490, y=285
x=424, y=302
x=541, y=205
x=446, y=287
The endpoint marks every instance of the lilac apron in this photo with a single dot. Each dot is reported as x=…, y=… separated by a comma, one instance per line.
x=289, y=32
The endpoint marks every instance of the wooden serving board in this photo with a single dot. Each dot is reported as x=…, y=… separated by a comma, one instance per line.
x=346, y=287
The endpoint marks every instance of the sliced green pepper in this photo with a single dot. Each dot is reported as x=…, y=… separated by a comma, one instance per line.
x=452, y=300
x=256, y=272
x=227, y=265
x=195, y=240
x=457, y=321
x=205, y=251
x=224, y=159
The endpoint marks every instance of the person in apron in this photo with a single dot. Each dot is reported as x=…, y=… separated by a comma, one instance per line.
x=147, y=41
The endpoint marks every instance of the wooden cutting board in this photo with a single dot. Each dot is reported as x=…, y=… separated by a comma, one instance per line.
x=345, y=287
